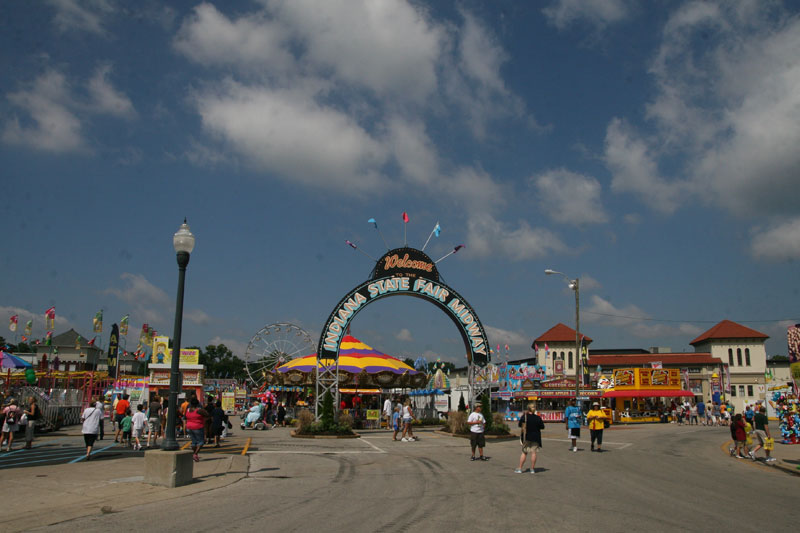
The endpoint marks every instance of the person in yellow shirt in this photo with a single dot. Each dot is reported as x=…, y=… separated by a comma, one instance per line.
x=596, y=418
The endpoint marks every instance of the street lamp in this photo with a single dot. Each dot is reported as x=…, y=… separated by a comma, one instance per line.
x=574, y=284
x=183, y=242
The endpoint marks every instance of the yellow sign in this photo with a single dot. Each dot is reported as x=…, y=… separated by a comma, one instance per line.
x=373, y=414
x=228, y=401
x=162, y=354
x=647, y=378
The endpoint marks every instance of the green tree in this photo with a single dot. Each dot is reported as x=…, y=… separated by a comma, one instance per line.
x=462, y=406
x=326, y=416
x=486, y=407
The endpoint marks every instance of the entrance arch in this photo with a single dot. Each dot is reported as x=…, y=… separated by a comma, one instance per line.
x=407, y=272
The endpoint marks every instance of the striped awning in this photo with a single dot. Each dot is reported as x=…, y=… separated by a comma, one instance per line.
x=354, y=357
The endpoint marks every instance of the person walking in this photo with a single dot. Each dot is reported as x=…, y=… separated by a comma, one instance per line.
x=154, y=421
x=218, y=419
x=693, y=414
x=127, y=427
x=281, y=415
x=532, y=426
x=91, y=426
x=408, y=419
x=12, y=414
x=477, y=425
x=120, y=408
x=195, y=423
x=387, y=412
x=396, y=421
x=572, y=418
x=739, y=437
x=596, y=418
x=101, y=405
x=139, y=421
x=761, y=433
x=33, y=413
x=701, y=411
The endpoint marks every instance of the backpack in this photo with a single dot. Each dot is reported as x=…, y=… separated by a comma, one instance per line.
x=11, y=417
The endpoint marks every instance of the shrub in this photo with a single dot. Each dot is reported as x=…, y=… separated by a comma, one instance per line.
x=462, y=406
x=326, y=416
x=457, y=423
x=304, y=419
x=345, y=419
x=499, y=426
x=486, y=411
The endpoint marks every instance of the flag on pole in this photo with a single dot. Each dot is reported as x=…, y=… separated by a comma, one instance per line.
x=546, y=349
x=405, y=217
x=91, y=342
x=12, y=323
x=78, y=342
x=437, y=229
x=123, y=326
x=535, y=347
x=28, y=327
x=374, y=222
x=97, y=322
x=24, y=338
x=50, y=318
x=48, y=340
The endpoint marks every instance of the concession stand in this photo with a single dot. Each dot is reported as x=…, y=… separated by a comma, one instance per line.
x=192, y=372
x=639, y=394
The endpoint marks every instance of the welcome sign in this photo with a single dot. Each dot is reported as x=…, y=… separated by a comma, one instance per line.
x=409, y=272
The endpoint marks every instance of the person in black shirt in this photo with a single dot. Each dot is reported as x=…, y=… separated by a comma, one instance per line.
x=532, y=425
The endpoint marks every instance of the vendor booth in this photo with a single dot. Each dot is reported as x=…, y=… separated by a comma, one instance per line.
x=192, y=372
x=639, y=394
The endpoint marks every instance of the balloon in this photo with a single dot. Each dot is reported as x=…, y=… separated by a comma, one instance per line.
x=30, y=376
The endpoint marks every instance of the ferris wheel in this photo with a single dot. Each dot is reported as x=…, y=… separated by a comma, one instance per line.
x=274, y=345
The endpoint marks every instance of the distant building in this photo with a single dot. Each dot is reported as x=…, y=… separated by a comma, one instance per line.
x=558, y=344
x=72, y=355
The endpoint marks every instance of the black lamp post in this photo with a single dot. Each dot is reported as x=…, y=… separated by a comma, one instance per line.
x=183, y=241
x=574, y=284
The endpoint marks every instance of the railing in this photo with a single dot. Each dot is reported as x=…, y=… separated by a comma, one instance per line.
x=61, y=407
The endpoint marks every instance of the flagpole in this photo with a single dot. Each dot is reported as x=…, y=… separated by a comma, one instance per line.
x=375, y=223
x=354, y=247
x=429, y=236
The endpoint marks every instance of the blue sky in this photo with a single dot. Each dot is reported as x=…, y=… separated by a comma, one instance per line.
x=648, y=148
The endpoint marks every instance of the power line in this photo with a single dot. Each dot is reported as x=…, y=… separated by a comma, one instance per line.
x=671, y=320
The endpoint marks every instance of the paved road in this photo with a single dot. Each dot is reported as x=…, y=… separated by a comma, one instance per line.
x=656, y=477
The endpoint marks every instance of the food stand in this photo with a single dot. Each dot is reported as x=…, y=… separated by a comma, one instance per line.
x=638, y=393
x=192, y=372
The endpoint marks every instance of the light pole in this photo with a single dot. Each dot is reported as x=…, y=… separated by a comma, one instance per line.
x=574, y=284
x=183, y=241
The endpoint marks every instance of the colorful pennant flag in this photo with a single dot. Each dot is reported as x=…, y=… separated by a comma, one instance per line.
x=374, y=222
x=437, y=229
x=97, y=322
x=91, y=342
x=546, y=349
x=123, y=325
x=50, y=318
x=48, y=340
x=24, y=338
x=405, y=217
x=78, y=342
x=28, y=327
x=535, y=347
x=12, y=323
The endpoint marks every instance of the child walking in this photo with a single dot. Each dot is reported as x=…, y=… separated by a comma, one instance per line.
x=139, y=422
x=126, y=424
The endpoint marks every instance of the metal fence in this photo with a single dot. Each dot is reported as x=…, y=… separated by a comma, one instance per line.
x=60, y=407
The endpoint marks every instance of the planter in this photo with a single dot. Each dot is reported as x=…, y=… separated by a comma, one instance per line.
x=296, y=436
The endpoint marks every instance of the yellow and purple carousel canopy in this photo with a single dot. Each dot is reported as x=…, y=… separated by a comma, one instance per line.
x=354, y=357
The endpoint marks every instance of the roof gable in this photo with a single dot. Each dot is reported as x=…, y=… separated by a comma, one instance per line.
x=560, y=333
x=728, y=329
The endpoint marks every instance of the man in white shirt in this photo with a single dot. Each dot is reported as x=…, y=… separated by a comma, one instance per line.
x=387, y=413
x=477, y=424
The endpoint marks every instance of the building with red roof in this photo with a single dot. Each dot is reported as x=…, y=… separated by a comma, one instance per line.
x=558, y=344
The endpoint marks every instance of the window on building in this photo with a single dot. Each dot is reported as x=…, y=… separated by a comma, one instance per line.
x=570, y=359
x=747, y=356
x=741, y=390
x=739, y=356
x=562, y=356
x=749, y=390
x=733, y=391
x=730, y=356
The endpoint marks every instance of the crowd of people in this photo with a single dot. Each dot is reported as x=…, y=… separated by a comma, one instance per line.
x=13, y=416
x=203, y=424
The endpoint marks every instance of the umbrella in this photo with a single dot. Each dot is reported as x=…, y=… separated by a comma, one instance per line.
x=354, y=357
x=12, y=361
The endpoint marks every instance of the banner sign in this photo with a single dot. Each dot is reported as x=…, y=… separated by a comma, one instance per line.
x=228, y=401
x=409, y=272
x=373, y=414
x=162, y=353
x=647, y=378
x=113, y=350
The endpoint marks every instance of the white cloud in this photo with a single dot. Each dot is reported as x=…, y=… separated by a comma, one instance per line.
x=105, y=98
x=197, y=316
x=387, y=47
x=503, y=336
x=633, y=320
x=570, y=198
x=288, y=132
x=237, y=347
x=54, y=127
x=487, y=236
x=777, y=242
x=210, y=38
x=81, y=15
x=404, y=335
x=599, y=13
x=146, y=301
x=53, y=113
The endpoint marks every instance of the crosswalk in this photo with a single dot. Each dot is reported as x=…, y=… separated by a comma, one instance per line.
x=63, y=450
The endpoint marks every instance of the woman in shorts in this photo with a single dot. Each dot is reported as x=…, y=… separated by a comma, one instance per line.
x=195, y=426
x=154, y=421
x=91, y=426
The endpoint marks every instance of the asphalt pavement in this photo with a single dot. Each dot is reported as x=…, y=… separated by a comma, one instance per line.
x=656, y=477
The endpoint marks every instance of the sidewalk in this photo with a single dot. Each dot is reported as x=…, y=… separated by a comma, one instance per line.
x=46, y=495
